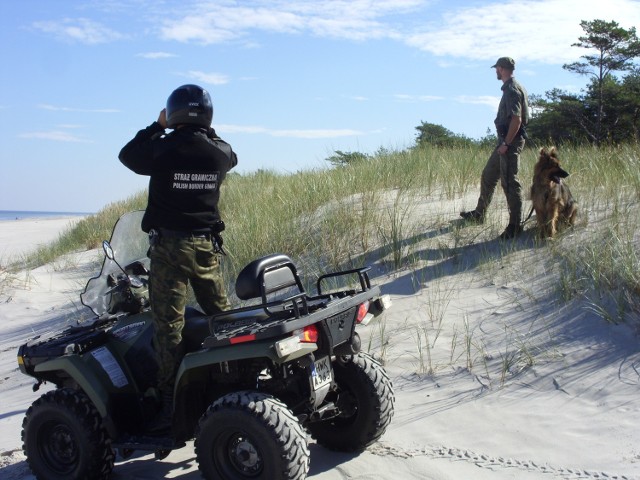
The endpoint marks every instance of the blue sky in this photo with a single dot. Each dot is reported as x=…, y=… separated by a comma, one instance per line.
x=291, y=81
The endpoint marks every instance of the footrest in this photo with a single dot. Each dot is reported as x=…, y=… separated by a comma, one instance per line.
x=148, y=443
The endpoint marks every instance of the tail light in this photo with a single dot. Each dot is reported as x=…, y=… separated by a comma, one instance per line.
x=308, y=334
x=303, y=339
x=363, y=309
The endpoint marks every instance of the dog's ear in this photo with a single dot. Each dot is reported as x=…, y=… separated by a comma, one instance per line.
x=553, y=152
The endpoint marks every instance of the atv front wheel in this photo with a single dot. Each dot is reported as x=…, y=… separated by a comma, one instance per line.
x=365, y=399
x=251, y=435
x=63, y=438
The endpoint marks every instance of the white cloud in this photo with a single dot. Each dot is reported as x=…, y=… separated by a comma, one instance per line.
x=357, y=98
x=210, y=78
x=220, y=21
x=487, y=100
x=293, y=133
x=310, y=134
x=416, y=98
x=155, y=55
x=217, y=24
x=240, y=129
x=536, y=30
x=571, y=88
x=82, y=30
x=533, y=30
x=55, y=108
x=54, y=135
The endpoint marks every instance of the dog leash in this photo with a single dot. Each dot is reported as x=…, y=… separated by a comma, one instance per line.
x=528, y=216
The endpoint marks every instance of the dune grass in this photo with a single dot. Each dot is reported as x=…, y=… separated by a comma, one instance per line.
x=365, y=212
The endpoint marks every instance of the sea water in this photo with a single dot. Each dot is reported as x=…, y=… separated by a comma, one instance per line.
x=21, y=215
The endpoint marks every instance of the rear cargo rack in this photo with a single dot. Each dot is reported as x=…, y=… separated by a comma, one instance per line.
x=276, y=274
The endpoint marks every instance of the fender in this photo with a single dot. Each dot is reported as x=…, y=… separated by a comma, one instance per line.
x=249, y=350
x=90, y=383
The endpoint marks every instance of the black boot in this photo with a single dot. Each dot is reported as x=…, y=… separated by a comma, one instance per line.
x=512, y=231
x=163, y=421
x=473, y=216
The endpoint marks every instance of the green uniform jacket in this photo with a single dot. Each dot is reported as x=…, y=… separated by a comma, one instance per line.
x=514, y=101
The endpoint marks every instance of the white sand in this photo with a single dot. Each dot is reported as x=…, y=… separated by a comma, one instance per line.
x=21, y=236
x=523, y=386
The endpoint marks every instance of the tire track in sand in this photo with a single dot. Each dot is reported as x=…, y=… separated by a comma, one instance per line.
x=489, y=462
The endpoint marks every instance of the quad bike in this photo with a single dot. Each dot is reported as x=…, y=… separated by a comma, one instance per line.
x=253, y=383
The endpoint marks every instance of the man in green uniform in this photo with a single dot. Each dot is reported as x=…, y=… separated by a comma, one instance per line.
x=503, y=164
x=186, y=168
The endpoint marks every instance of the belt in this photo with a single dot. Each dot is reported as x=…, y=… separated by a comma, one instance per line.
x=184, y=233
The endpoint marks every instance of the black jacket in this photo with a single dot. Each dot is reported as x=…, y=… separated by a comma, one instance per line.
x=186, y=168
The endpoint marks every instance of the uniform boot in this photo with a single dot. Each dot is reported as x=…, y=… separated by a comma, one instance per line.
x=513, y=230
x=473, y=216
x=163, y=421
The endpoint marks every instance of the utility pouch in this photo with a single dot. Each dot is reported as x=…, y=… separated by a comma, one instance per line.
x=217, y=243
x=218, y=227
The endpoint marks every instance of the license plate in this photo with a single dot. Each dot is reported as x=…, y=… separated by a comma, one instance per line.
x=321, y=373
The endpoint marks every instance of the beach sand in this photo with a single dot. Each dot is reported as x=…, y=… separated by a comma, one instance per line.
x=494, y=377
x=18, y=237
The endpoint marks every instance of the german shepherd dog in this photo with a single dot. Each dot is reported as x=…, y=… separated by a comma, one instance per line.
x=550, y=196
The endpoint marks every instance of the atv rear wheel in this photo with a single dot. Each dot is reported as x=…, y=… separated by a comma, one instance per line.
x=63, y=438
x=251, y=435
x=365, y=400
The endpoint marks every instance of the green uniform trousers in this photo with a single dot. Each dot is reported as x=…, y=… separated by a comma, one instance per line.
x=505, y=169
x=176, y=262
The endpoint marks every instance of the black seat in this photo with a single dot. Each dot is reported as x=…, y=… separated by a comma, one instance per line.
x=267, y=275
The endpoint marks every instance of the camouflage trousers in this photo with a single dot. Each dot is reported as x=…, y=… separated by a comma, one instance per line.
x=176, y=263
x=503, y=168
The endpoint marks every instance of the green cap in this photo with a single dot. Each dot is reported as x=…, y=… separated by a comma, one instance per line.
x=505, y=62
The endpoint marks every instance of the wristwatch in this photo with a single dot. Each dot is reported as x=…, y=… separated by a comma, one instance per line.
x=506, y=144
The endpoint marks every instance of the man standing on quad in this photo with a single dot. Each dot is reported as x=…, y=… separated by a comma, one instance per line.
x=186, y=168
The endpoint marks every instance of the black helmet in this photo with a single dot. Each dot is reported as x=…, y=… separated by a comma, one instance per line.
x=189, y=105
